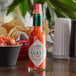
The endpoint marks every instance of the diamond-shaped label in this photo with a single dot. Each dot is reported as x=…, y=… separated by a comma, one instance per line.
x=37, y=53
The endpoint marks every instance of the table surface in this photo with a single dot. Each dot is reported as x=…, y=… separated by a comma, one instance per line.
x=54, y=68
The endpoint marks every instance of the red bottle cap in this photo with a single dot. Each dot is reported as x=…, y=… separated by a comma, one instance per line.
x=37, y=8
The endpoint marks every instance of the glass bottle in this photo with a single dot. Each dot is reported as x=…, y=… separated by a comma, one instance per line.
x=37, y=42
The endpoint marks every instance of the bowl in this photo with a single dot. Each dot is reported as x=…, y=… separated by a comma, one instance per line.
x=9, y=55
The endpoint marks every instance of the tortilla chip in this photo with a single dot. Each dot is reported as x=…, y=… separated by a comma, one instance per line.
x=45, y=27
x=13, y=33
x=7, y=26
x=17, y=22
x=3, y=31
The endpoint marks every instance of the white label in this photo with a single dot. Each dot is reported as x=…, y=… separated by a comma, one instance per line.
x=37, y=53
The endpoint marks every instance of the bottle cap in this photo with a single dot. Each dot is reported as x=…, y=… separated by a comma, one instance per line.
x=37, y=8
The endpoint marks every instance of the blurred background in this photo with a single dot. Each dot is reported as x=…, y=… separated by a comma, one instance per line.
x=52, y=9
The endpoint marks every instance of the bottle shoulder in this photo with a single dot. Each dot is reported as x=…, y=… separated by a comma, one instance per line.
x=37, y=33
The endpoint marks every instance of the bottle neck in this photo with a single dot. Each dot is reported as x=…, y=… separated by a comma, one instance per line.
x=37, y=20
x=37, y=28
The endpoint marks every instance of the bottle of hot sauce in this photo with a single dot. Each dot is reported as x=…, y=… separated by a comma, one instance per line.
x=37, y=42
